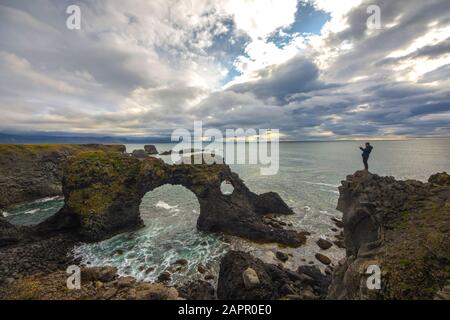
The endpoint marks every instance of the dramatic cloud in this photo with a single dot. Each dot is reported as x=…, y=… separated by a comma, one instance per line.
x=149, y=67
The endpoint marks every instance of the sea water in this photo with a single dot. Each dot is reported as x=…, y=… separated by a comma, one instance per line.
x=308, y=180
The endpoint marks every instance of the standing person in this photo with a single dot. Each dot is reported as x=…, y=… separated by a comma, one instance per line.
x=365, y=155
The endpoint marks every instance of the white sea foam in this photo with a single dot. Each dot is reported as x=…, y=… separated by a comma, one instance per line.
x=43, y=200
x=31, y=211
x=322, y=184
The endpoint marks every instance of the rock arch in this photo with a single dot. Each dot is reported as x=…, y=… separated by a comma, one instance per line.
x=103, y=192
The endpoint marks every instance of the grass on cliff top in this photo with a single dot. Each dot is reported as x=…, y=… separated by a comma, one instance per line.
x=417, y=261
x=94, y=179
x=196, y=173
x=33, y=149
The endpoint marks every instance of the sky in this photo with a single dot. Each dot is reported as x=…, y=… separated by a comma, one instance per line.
x=314, y=69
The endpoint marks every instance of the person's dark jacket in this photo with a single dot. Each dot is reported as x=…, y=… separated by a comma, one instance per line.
x=366, y=151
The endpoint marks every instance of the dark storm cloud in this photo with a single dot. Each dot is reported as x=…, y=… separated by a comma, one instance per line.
x=293, y=77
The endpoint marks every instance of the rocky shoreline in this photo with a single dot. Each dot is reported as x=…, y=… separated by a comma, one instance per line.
x=401, y=226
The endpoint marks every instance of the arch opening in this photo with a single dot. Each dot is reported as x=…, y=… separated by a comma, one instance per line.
x=226, y=187
x=169, y=242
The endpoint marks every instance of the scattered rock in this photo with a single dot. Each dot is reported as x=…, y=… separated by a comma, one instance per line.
x=338, y=223
x=150, y=149
x=323, y=258
x=118, y=252
x=324, y=244
x=250, y=278
x=283, y=257
x=164, y=277
x=181, y=262
x=339, y=244
x=150, y=270
x=201, y=268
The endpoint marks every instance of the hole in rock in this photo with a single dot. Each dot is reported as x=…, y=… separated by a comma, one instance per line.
x=226, y=188
x=170, y=215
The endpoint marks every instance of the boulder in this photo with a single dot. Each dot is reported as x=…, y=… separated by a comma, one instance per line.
x=323, y=258
x=181, y=262
x=150, y=149
x=250, y=278
x=201, y=268
x=237, y=280
x=165, y=277
x=324, y=244
x=283, y=257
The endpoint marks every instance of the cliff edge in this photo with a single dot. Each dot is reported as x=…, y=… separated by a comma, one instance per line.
x=402, y=227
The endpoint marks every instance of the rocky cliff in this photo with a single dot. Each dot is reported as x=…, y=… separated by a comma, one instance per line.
x=29, y=172
x=403, y=227
x=103, y=192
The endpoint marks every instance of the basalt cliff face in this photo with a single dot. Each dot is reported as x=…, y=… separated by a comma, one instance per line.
x=403, y=227
x=103, y=192
x=30, y=172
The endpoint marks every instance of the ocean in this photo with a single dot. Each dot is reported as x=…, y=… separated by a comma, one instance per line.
x=308, y=180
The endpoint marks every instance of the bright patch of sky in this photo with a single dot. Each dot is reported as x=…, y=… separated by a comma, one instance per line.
x=236, y=52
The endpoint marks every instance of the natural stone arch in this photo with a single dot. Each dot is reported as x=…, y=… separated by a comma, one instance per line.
x=103, y=192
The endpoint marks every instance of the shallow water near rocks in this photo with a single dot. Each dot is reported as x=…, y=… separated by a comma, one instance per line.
x=308, y=180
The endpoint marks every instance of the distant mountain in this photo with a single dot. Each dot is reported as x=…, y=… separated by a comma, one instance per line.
x=67, y=138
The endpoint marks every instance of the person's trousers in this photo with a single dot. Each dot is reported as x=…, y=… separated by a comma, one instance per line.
x=366, y=164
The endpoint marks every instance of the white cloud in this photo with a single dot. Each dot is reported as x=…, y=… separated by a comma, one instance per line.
x=259, y=18
x=24, y=71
